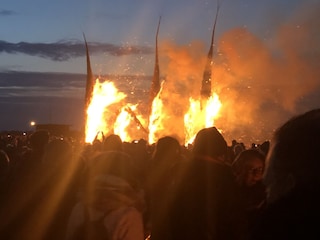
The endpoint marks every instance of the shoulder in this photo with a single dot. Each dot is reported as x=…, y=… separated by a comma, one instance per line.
x=125, y=223
x=124, y=215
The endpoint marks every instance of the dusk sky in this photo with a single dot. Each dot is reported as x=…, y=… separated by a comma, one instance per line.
x=40, y=37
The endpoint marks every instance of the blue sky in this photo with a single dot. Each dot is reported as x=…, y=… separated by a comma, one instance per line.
x=267, y=62
x=125, y=23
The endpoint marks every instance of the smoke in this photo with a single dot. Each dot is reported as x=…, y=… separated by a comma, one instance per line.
x=181, y=71
x=260, y=82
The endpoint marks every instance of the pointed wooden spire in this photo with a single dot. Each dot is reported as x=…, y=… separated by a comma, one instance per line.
x=90, y=77
x=155, y=84
x=89, y=86
x=205, y=91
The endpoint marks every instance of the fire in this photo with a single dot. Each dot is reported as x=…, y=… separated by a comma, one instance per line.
x=199, y=117
x=122, y=122
x=126, y=125
x=109, y=114
x=99, y=112
x=156, y=117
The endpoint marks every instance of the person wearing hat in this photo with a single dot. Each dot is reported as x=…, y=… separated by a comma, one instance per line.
x=207, y=205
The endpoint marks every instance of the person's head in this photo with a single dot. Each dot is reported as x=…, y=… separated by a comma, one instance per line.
x=293, y=159
x=264, y=147
x=209, y=142
x=112, y=143
x=113, y=163
x=57, y=153
x=167, y=149
x=248, y=167
x=110, y=182
x=39, y=139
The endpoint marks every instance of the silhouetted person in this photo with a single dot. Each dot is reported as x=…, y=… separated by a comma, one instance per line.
x=57, y=195
x=248, y=168
x=264, y=147
x=110, y=200
x=18, y=206
x=207, y=205
x=44, y=212
x=163, y=174
x=293, y=181
x=112, y=142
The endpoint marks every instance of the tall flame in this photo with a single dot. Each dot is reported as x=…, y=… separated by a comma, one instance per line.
x=121, y=123
x=156, y=117
x=98, y=118
x=199, y=116
x=107, y=113
x=103, y=116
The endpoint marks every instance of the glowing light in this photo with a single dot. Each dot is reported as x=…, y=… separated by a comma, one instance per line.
x=102, y=111
x=156, y=117
x=199, y=117
x=122, y=122
x=109, y=114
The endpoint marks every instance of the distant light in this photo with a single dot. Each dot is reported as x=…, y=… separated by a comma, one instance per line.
x=32, y=123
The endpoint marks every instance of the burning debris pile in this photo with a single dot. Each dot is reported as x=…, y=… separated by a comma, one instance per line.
x=106, y=111
x=257, y=85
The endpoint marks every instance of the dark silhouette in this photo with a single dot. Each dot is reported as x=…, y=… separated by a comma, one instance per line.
x=109, y=197
x=163, y=174
x=90, y=76
x=40, y=199
x=248, y=168
x=112, y=142
x=205, y=91
x=207, y=206
x=155, y=84
x=89, y=85
x=293, y=181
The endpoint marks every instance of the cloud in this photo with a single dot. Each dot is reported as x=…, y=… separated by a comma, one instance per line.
x=28, y=84
x=65, y=50
x=4, y=12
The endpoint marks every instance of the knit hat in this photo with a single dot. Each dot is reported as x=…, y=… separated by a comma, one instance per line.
x=210, y=142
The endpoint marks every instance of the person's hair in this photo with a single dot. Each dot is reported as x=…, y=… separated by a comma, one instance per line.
x=210, y=142
x=112, y=143
x=240, y=164
x=246, y=156
x=113, y=163
x=294, y=157
x=39, y=139
x=166, y=148
x=57, y=153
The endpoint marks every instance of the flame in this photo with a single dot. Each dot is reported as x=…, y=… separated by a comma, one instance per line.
x=109, y=114
x=121, y=123
x=99, y=112
x=199, y=117
x=125, y=126
x=156, y=117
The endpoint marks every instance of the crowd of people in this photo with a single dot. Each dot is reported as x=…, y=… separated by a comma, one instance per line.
x=56, y=188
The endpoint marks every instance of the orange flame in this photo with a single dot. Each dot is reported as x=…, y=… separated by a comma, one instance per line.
x=197, y=118
x=108, y=114
x=156, y=117
x=99, y=113
x=125, y=126
x=121, y=123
